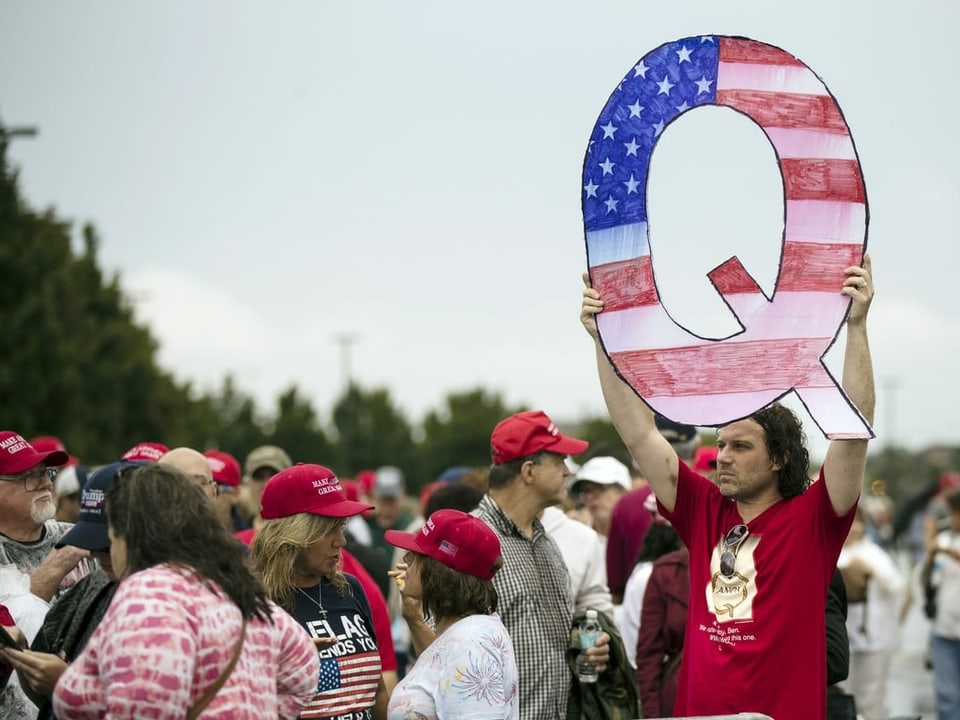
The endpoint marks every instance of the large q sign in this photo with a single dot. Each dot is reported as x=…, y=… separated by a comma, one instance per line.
x=784, y=337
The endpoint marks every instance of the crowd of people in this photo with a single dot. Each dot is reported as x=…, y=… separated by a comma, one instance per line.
x=181, y=582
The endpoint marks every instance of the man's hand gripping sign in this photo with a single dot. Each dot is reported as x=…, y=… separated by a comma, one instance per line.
x=784, y=337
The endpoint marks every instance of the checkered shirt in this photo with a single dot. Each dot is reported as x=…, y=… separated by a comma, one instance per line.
x=536, y=606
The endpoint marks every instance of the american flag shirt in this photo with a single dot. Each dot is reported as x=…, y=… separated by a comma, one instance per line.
x=350, y=670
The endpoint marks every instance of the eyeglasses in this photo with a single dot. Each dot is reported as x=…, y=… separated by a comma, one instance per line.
x=202, y=480
x=729, y=548
x=32, y=479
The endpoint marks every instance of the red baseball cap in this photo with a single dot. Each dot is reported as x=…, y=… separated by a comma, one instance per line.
x=459, y=541
x=146, y=452
x=310, y=489
x=224, y=466
x=365, y=480
x=17, y=455
x=949, y=480
x=47, y=443
x=529, y=432
x=705, y=461
x=350, y=489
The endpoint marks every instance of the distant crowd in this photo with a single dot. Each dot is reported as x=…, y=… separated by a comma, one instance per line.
x=180, y=583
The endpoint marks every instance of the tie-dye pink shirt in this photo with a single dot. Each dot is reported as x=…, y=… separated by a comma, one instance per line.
x=165, y=640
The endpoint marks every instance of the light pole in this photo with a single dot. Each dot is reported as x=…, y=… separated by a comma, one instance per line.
x=19, y=131
x=346, y=341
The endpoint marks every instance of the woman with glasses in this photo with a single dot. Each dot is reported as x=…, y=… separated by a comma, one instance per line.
x=298, y=553
x=190, y=629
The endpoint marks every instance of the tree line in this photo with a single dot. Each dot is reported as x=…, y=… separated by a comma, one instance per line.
x=77, y=365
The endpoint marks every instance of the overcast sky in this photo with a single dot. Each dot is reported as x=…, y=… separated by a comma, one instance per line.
x=268, y=177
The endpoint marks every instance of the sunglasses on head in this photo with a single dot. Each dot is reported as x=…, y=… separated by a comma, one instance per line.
x=729, y=547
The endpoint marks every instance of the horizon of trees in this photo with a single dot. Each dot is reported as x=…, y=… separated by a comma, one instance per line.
x=78, y=366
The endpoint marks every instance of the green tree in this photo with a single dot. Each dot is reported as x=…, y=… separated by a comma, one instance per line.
x=372, y=432
x=297, y=430
x=898, y=472
x=600, y=433
x=235, y=426
x=459, y=433
x=77, y=365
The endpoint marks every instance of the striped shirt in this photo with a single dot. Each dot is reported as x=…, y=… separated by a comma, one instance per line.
x=536, y=607
x=350, y=670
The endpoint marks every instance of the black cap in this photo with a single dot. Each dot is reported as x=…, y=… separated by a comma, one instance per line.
x=675, y=432
x=90, y=530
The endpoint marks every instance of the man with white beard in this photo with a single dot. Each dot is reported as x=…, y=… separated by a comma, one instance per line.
x=32, y=572
x=28, y=530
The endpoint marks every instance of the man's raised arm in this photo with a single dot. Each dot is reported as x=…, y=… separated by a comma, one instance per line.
x=844, y=466
x=632, y=418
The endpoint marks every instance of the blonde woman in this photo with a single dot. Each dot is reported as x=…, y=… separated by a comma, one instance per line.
x=297, y=552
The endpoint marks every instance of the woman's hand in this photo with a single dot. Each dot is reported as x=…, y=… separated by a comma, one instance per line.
x=40, y=670
x=410, y=607
x=323, y=643
x=399, y=575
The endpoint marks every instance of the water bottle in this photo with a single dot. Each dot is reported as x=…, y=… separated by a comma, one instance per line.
x=589, y=632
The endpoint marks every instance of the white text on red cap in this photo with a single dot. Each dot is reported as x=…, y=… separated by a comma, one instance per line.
x=326, y=485
x=13, y=444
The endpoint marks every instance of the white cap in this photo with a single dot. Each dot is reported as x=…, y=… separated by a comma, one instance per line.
x=67, y=482
x=604, y=470
x=388, y=482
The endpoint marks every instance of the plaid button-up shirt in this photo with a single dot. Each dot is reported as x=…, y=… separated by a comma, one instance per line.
x=536, y=606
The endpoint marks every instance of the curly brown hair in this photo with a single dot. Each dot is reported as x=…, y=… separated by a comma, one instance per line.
x=166, y=518
x=445, y=592
x=787, y=447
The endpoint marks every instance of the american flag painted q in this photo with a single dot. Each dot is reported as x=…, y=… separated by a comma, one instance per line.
x=784, y=337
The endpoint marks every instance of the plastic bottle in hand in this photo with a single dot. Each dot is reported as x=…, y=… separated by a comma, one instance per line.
x=589, y=632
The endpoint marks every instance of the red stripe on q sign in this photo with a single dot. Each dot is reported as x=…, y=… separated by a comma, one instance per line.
x=784, y=337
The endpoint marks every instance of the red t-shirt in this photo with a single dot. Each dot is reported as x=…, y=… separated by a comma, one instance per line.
x=756, y=642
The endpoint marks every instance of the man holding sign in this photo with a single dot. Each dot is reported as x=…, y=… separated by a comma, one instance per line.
x=763, y=541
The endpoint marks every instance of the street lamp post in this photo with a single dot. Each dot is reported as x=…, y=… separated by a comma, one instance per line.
x=346, y=341
x=19, y=131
